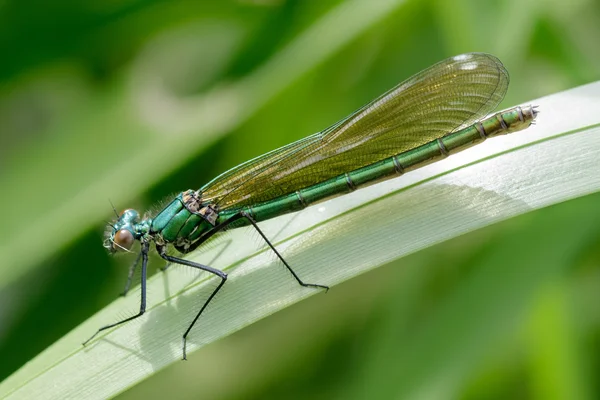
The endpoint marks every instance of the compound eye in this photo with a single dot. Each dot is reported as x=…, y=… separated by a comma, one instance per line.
x=123, y=240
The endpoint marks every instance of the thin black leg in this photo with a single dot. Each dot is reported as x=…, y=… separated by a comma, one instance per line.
x=243, y=215
x=300, y=281
x=202, y=267
x=130, y=274
x=144, y=253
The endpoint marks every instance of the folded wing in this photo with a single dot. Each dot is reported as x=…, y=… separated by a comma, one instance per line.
x=441, y=99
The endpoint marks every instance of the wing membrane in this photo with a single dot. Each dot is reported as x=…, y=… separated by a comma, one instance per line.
x=441, y=99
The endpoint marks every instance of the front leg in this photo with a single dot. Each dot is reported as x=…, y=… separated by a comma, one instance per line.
x=130, y=274
x=144, y=254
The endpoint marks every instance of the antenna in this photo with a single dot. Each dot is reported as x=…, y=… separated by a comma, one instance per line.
x=113, y=207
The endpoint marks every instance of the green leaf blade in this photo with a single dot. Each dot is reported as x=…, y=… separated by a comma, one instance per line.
x=329, y=243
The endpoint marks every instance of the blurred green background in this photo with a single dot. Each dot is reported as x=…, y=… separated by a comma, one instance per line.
x=90, y=90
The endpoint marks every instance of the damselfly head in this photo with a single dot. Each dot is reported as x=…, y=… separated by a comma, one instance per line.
x=121, y=235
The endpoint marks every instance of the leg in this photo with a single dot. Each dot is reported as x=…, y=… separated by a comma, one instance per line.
x=243, y=215
x=206, y=268
x=130, y=274
x=300, y=281
x=144, y=254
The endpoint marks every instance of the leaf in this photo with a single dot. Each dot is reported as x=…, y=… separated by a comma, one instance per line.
x=550, y=162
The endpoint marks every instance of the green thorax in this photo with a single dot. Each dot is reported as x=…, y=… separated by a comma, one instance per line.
x=182, y=219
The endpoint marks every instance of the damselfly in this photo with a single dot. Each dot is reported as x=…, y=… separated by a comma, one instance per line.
x=437, y=112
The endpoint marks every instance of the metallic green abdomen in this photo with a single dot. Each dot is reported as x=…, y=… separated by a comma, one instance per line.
x=177, y=224
x=502, y=123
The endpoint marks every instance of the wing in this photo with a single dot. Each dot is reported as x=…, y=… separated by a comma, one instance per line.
x=441, y=99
